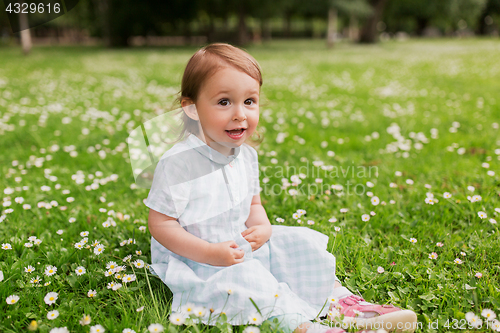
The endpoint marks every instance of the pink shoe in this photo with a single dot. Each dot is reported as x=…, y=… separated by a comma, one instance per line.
x=361, y=314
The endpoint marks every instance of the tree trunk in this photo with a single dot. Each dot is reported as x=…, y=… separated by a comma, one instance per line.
x=482, y=27
x=331, y=27
x=187, y=31
x=422, y=23
x=225, y=25
x=310, y=27
x=265, y=27
x=25, y=33
x=242, y=26
x=102, y=7
x=287, y=27
x=369, y=30
x=353, y=28
x=211, y=30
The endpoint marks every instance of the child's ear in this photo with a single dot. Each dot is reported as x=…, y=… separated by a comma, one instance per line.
x=190, y=109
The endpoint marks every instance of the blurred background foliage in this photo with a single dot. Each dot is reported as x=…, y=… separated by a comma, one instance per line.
x=120, y=23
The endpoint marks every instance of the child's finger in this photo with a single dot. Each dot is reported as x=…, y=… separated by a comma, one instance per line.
x=237, y=261
x=240, y=254
x=249, y=230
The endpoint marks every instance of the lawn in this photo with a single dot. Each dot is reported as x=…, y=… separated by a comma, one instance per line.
x=392, y=150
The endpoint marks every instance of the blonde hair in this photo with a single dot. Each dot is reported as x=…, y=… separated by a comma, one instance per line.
x=205, y=63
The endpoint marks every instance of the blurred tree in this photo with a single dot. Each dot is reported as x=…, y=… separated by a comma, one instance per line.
x=369, y=31
x=464, y=11
x=25, y=32
x=265, y=10
x=120, y=19
x=288, y=10
x=417, y=15
x=422, y=11
x=242, y=10
x=353, y=10
x=491, y=10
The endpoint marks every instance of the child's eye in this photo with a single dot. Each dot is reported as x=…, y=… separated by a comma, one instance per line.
x=223, y=101
x=251, y=100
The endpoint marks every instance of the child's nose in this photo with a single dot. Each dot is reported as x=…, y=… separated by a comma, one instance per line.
x=239, y=113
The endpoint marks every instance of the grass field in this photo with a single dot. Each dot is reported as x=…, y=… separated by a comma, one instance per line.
x=404, y=135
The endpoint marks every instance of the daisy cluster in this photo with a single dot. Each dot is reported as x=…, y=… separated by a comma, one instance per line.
x=189, y=313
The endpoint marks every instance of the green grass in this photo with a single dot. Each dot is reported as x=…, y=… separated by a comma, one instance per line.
x=323, y=100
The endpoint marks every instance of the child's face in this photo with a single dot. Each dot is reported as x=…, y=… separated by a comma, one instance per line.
x=228, y=109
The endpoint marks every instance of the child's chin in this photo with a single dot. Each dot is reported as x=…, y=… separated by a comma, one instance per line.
x=234, y=144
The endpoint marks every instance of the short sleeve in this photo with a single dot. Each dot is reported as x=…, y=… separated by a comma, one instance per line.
x=169, y=194
x=254, y=163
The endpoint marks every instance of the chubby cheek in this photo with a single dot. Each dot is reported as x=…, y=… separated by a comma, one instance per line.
x=252, y=125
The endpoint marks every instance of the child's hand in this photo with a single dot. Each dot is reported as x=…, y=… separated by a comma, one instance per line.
x=257, y=235
x=225, y=254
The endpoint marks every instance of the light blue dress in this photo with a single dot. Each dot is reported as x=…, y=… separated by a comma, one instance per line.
x=210, y=195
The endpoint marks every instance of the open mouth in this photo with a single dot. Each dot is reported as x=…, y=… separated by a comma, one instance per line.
x=236, y=133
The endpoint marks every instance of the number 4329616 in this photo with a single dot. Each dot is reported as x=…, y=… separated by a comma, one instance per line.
x=459, y=324
x=26, y=8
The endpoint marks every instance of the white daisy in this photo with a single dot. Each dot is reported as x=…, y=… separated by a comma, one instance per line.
x=29, y=269
x=98, y=249
x=138, y=263
x=488, y=314
x=80, y=270
x=153, y=328
x=188, y=308
x=97, y=329
x=85, y=320
x=51, y=315
x=50, y=270
x=50, y=298
x=35, y=280
x=128, y=278
x=199, y=311
x=12, y=299
x=255, y=319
